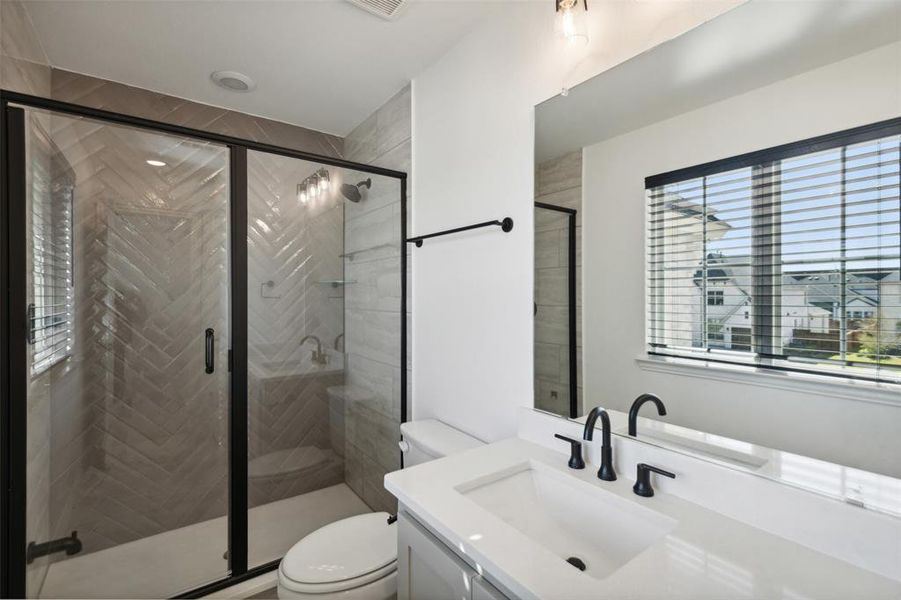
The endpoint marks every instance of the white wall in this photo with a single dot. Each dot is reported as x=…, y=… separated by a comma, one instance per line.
x=857, y=91
x=473, y=159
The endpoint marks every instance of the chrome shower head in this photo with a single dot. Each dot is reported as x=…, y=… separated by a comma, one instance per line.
x=352, y=192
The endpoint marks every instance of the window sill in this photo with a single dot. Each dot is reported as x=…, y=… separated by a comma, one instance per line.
x=824, y=385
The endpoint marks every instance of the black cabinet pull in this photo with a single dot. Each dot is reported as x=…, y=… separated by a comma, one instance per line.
x=210, y=350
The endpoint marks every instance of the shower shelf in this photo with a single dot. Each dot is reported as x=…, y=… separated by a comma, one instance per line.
x=350, y=255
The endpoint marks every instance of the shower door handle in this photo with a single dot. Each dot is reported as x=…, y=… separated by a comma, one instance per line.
x=210, y=350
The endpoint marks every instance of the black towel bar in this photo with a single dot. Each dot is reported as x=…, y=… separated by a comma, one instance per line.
x=506, y=225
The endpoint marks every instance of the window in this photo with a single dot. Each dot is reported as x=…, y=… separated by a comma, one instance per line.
x=795, y=249
x=715, y=332
x=51, y=311
x=714, y=298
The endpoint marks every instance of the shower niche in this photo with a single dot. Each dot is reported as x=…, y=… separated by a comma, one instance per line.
x=211, y=325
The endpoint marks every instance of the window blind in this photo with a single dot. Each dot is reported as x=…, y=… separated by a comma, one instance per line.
x=787, y=258
x=51, y=310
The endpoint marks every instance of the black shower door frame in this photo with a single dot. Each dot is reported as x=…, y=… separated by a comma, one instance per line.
x=13, y=360
x=571, y=296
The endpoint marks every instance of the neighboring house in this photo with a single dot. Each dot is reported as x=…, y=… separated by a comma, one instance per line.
x=811, y=305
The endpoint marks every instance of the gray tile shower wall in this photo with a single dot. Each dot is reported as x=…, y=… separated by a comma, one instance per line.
x=558, y=182
x=121, y=471
x=372, y=406
x=23, y=64
x=296, y=437
x=141, y=434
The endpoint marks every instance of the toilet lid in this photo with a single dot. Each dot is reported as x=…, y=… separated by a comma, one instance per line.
x=347, y=549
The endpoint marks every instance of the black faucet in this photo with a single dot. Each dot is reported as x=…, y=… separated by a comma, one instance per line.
x=606, y=471
x=633, y=412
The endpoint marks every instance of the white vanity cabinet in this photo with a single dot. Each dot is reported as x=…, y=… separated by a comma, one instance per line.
x=428, y=570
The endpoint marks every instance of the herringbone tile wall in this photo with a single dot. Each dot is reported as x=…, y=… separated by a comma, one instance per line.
x=294, y=256
x=145, y=452
x=138, y=427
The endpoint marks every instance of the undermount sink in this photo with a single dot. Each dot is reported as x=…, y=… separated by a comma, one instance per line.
x=717, y=447
x=574, y=519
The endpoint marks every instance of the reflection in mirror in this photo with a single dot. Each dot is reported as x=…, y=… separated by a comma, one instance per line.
x=558, y=385
x=740, y=199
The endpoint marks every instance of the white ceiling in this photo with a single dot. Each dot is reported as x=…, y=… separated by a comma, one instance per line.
x=751, y=46
x=324, y=64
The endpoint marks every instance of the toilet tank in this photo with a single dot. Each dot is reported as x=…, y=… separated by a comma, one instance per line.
x=430, y=439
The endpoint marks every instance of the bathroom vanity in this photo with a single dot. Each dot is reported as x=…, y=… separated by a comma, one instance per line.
x=511, y=519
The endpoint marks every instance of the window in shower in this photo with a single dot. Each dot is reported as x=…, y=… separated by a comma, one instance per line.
x=50, y=315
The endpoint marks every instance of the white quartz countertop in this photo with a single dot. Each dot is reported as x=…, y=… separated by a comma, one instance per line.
x=705, y=556
x=855, y=486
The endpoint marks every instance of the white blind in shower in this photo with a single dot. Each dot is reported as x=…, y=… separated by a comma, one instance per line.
x=51, y=310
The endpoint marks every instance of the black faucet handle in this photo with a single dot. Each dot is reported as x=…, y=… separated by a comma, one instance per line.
x=642, y=485
x=575, y=452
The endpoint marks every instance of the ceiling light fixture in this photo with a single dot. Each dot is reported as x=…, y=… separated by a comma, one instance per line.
x=155, y=163
x=233, y=81
x=571, y=21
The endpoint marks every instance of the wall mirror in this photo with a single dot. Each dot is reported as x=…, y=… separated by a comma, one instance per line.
x=739, y=198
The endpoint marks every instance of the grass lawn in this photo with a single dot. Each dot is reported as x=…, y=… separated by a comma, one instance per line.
x=866, y=358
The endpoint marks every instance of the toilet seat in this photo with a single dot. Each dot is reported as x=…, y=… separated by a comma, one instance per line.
x=336, y=586
x=341, y=556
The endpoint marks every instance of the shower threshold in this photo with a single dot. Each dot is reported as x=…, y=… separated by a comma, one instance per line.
x=175, y=561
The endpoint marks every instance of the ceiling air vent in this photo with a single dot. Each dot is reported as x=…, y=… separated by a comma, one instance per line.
x=386, y=9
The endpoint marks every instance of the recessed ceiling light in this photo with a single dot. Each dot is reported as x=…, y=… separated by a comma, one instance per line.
x=155, y=163
x=233, y=81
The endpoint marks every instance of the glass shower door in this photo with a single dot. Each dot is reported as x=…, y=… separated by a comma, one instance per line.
x=324, y=347
x=127, y=284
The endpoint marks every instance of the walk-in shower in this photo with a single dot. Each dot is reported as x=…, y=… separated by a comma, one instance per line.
x=195, y=354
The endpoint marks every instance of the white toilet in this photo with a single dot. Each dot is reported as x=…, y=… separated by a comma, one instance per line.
x=356, y=558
